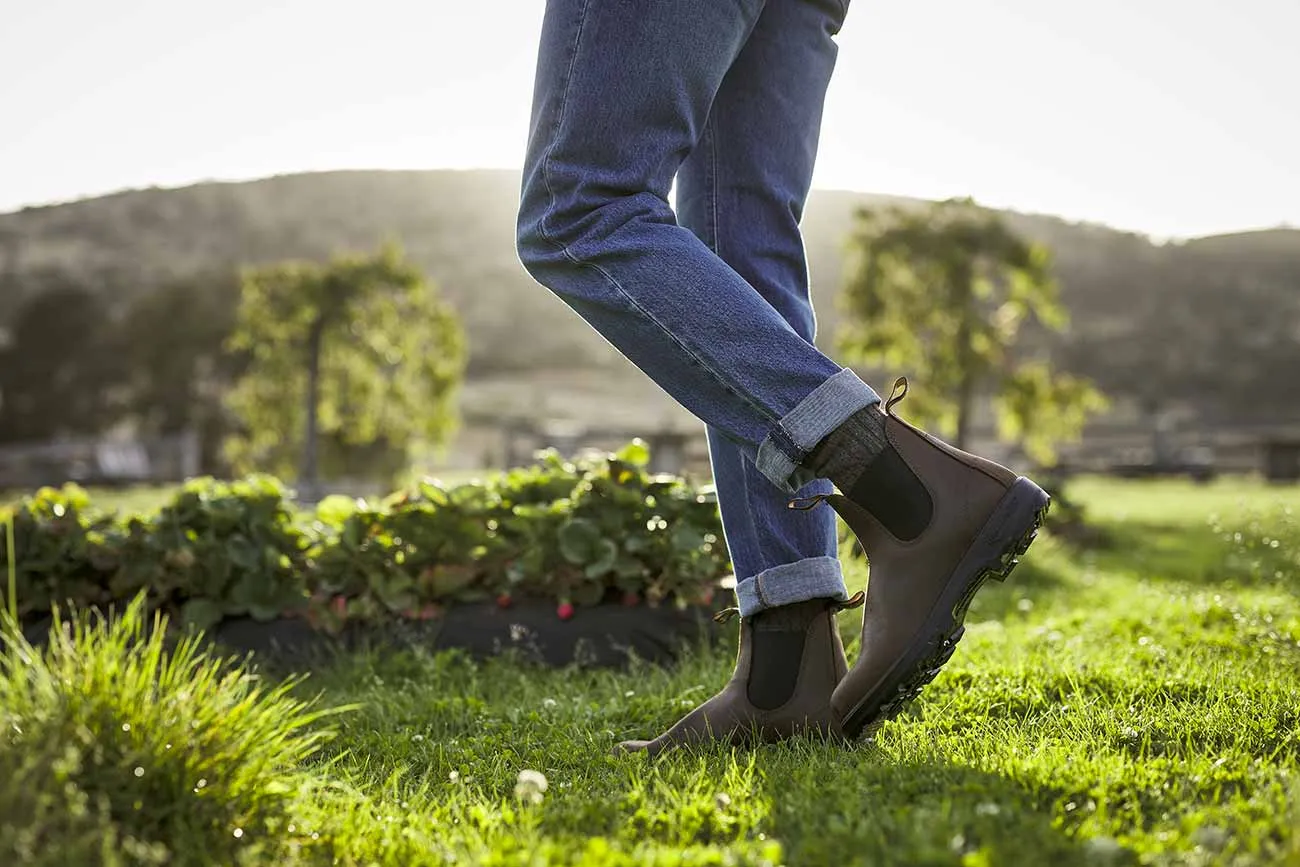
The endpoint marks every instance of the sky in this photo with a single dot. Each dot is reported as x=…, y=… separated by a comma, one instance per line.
x=1173, y=118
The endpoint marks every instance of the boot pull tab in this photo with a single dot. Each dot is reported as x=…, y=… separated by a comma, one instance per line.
x=725, y=614
x=854, y=601
x=896, y=394
x=804, y=504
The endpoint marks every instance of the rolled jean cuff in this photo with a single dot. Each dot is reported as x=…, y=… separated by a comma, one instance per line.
x=782, y=453
x=813, y=578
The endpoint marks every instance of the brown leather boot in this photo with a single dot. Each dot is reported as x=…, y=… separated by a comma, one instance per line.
x=935, y=523
x=790, y=659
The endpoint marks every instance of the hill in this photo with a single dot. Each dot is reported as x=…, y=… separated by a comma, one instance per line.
x=1212, y=324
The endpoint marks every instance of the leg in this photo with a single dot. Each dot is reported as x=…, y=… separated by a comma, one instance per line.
x=742, y=192
x=622, y=95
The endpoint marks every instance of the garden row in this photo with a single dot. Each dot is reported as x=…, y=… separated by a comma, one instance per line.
x=598, y=531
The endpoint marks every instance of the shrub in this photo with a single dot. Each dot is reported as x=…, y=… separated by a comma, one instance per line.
x=61, y=550
x=597, y=529
x=585, y=531
x=217, y=549
x=111, y=746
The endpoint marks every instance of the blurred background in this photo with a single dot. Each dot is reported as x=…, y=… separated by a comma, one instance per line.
x=160, y=164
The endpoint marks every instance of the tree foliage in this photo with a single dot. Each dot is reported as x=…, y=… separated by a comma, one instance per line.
x=359, y=355
x=943, y=293
x=1210, y=327
x=62, y=372
x=173, y=340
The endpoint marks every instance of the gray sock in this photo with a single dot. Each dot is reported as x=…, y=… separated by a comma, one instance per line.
x=844, y=455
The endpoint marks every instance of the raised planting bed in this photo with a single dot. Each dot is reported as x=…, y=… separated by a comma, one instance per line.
x=562, y=562
x=603, y=636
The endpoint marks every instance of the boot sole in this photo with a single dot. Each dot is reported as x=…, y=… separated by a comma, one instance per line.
x=994, y=553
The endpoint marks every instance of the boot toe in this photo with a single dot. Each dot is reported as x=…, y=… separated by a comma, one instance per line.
x=624, y=748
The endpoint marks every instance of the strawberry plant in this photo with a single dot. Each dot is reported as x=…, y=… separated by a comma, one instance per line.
x=579, y=533
x=62, y=550
x=216, y=550
x=224, y=549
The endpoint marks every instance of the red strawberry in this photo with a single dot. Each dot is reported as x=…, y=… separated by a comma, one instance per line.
x=631, y=599
x=565, y=611
x=504, y=600
x=340, y=606
x=429, y=612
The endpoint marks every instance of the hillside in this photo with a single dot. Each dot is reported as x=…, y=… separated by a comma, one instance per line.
x=1214, y=321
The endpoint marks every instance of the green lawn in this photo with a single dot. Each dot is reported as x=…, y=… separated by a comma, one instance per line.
x=1134, y=702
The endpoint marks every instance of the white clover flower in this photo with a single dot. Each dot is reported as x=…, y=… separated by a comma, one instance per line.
x=530, y=787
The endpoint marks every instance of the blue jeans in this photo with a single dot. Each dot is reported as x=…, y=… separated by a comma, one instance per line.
x=726, y=97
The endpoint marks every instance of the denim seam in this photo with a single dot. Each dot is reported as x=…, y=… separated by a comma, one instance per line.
x=785, y=441
x=768, y=415
x=822, y=577
x=711, y=130
x=555, y=128
x=776, y=465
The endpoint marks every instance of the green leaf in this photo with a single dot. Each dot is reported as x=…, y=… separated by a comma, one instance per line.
x=434, y=492
x=587, y=594
x=686, y=539
x=202, y=613
x=264, y=613
x=606, y=555
x=579, y=541
x=443, y=581
x=628, y=568
x=247, y=591
x=396, y=590
x=636, y=454
x=354, y=533
x=243, y=553
x=335, y=509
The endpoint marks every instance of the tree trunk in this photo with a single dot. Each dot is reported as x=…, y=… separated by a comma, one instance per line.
x=308, y=480
x=965, y=401
x=966, y=362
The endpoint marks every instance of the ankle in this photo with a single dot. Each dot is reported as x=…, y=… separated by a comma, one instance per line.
x=845, y=452
x=780, y=640
x=894, y=495
x=793, y=617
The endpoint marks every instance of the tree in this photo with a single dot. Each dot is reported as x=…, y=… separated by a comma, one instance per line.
x=174, y=338
x=359, y=353
x=61, y=373
x=943, y=293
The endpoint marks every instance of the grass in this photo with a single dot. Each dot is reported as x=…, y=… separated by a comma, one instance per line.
x=144, y=499
x=1135, y=702
x=121, y=750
